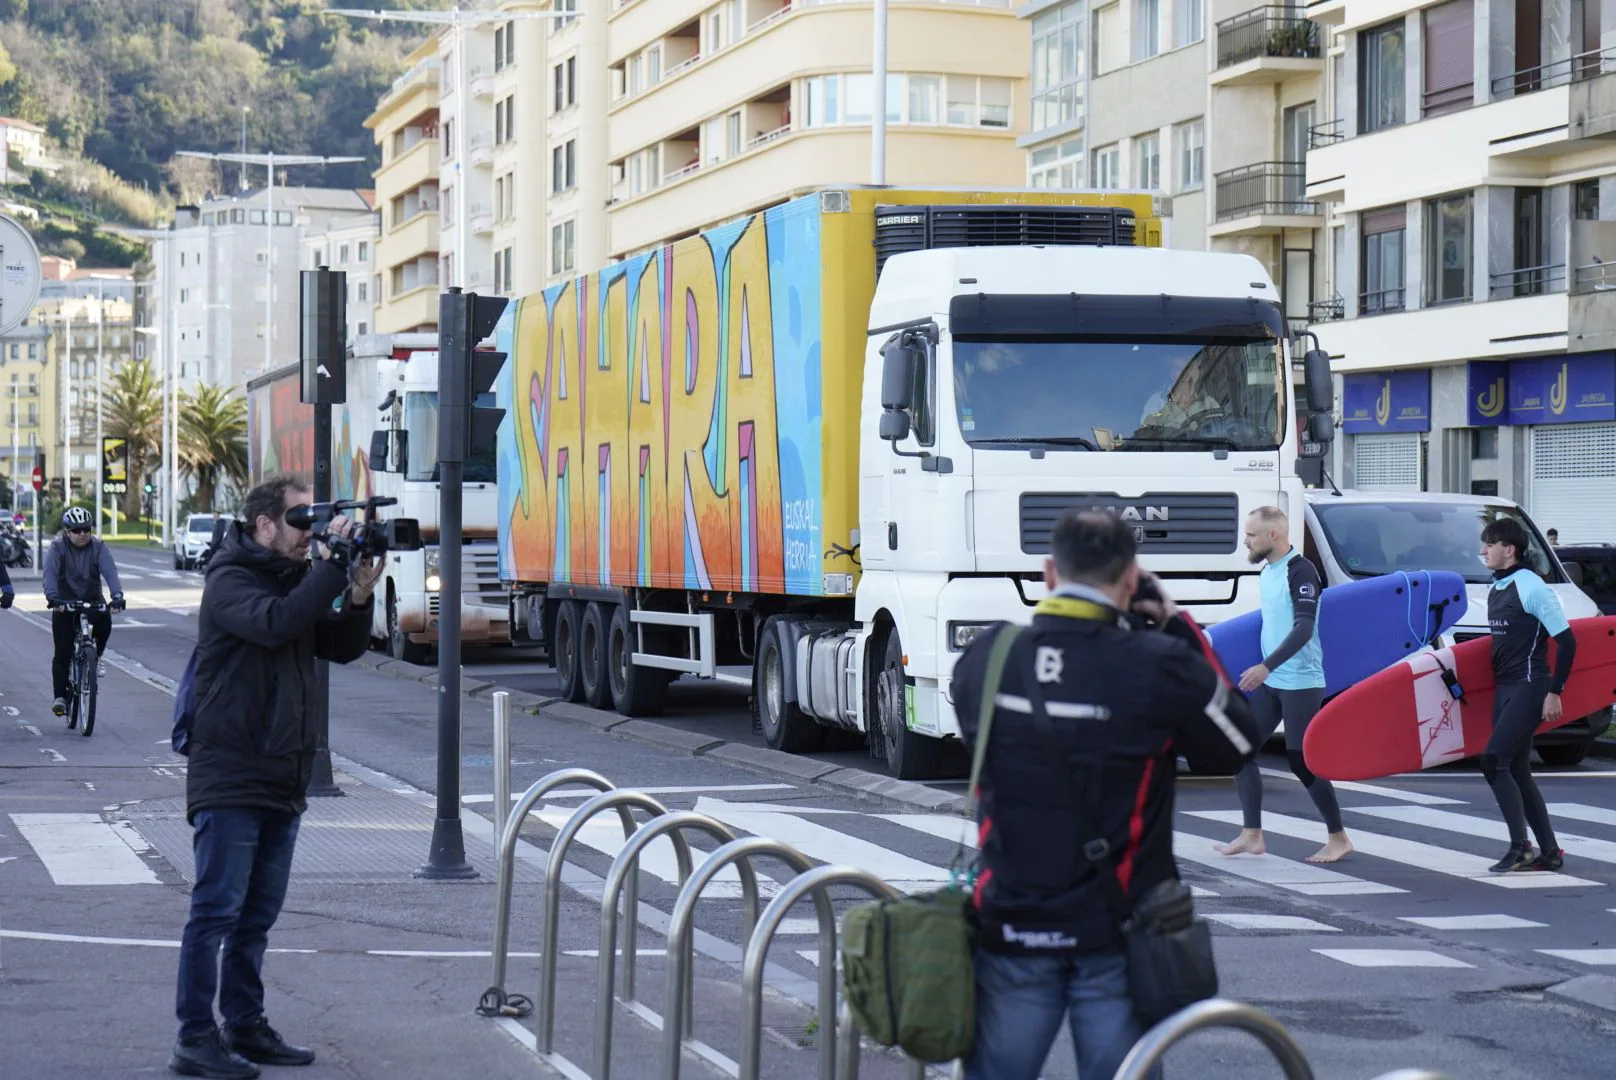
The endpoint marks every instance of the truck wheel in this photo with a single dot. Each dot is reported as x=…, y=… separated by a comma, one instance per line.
x=565, y=650
x=1564, y=755
x=636, y=691
x=910, y=756
x=592, y=657
x=784, y=726
x=399, y=646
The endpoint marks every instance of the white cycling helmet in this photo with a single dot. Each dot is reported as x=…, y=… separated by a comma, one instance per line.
x=76, y=517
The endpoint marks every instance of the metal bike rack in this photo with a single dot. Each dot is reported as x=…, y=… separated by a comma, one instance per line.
x=606, y=800
x=502, y=764
x=1216, y=1012
x=757, y=948
x=495, y=1001
x=626, y=865
x=678, y=1016
x=847, y=1051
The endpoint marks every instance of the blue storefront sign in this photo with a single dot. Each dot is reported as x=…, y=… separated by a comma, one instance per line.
x=1487, y=392
x=1563, y=389
x=1376, y=401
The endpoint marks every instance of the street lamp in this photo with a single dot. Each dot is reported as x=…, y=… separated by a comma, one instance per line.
x=269, y=160
x=457, y=20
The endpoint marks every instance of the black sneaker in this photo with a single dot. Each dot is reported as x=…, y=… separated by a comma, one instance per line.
x=206, y=1055
x=1518, y=857
x=1549, y=862
x=259, y=1042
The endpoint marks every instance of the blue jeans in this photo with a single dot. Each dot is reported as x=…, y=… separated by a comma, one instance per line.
x=1021, y=1000
x=243, y=865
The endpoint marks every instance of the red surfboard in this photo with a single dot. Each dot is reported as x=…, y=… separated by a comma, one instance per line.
x=1403, y=718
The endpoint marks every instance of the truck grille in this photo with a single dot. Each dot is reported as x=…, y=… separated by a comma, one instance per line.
x=1165, y=523
x=919, y=228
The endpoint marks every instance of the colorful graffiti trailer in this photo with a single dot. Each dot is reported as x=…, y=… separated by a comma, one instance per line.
x=663, y=417
x=280, y=432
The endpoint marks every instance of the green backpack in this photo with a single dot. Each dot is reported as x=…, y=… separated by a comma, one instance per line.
x=907, y=973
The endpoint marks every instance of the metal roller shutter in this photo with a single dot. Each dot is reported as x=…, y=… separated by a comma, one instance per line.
x=1386, y=462
x=1574, y=481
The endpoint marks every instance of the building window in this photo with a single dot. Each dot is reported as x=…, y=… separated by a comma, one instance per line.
x=446, y=139
x=1191, y=141
x=557, y=25
x=561, y=256
x=1448, y=244
x=510, y=43
x=1146, y=29
x=1191, y=23
x=505, y=120
x=1585, y=200
x=509, y=281
x=978, y=102
x=1450, y=52
x=1058, y=166
x=1148, y=175
x=1058, y=66
x=364, y=292
x=342, y=255
x=563, y=163
x=924, y=93
x=1381, y=260
x=732, y=134
x=364, y=251
x=364, y=328
x=564, y=91
x=1380, y=77
x=1107, y=168
x=499, y=48
x=822, y=101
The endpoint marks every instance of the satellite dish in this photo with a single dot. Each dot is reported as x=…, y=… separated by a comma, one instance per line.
x=19, y=274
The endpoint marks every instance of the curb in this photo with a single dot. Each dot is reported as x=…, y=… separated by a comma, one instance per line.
x=760, y=759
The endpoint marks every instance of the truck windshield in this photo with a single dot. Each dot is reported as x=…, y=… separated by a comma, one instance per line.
x=1135, y=394
x=421, y=421
x=1370, y=538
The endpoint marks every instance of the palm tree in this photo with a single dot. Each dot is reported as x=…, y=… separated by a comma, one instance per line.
x=132, y=409
x=213, y=441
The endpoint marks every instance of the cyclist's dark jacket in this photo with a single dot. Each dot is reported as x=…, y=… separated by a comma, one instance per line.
x=1159, y=697
x=264, y=620
x=74, y=573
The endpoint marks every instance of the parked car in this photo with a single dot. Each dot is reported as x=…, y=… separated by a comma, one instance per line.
x=1357, y=534
x=191, y=541
x=1593, y=568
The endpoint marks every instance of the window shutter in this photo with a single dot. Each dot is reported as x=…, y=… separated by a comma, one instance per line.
x=1386, y=219
x=1449, y=57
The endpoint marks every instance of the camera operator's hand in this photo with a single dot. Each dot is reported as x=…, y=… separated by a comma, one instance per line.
x=1159, y=611
x=340, y=526
x=365, y=577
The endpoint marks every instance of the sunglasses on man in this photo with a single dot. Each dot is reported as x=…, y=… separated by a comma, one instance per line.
x=79, y=530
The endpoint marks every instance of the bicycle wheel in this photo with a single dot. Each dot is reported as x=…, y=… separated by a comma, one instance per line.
x=85, y=705
x=73, y=692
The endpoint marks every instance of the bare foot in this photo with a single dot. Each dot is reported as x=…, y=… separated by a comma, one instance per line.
x=1249, y=842
x=1334, y=848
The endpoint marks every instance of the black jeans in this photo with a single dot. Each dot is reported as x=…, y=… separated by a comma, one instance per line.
x=64, y=627
x=243, y=865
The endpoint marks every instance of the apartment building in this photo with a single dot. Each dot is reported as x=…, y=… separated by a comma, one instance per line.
x=348, y=244
x=28, y=407
x=90, y=339
x=1470, y=174
x=409, y=195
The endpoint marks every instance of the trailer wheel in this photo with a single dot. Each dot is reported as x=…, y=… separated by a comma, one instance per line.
x=910, y=755
x=565, y=651
x=636, y=691
x=784, y=726
x=592, y=656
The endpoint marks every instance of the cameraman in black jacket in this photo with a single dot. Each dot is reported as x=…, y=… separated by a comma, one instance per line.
x=267, y=614
x=1125, y=700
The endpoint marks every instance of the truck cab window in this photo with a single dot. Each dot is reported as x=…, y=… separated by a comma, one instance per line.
x=923, y=414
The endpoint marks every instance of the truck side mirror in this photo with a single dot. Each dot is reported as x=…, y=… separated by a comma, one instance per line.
x=894, y=425
x=898, y=359
x=378, y=451
x=1311, y=470
x=1320, y=427
x=1316, y=374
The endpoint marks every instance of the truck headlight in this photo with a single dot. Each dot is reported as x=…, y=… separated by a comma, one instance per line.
x=961, y=634
x=432, y=564
x=433, y=582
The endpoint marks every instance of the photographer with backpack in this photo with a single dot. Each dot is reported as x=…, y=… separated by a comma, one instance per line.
x=246, y=721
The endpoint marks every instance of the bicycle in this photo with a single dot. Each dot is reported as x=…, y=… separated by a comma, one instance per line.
x=82, y=669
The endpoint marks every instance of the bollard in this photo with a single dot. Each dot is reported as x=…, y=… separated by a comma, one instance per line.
x=757, y=949
x=502, y=764
x=1216, y=1012
x=606, y=800
x=678, y=1016
x=626, y=865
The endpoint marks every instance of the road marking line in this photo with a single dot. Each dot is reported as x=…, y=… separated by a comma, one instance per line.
x=81, y=849
x=1592, y=957
x=1269, y=922
x=1582, y=812
x=1298, y=877
x=1375, y=789
x=1471, y=922
x=591, y=792
x=1585, y=847
x=1428, y=857
x=54, y=755
x=32, y=730
x=11, y=710
x=1422, y=958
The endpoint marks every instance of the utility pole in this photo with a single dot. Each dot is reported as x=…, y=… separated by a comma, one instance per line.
x=66, y=410
x=878, y=119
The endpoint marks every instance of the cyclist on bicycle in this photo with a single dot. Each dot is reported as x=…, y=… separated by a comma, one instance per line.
x=74, y=567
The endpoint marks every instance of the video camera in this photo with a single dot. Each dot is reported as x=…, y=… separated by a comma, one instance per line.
x=370, y=539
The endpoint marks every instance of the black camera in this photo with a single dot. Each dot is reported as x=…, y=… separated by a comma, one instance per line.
x=1149, y=593
x=370, y=539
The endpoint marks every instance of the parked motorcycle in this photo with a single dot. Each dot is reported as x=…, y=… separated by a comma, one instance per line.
x=15, y=550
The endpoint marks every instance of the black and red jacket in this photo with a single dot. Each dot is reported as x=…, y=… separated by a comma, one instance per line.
x=1126, y=702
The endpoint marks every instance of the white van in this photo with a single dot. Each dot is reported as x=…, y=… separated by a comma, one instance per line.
x=1358, y=534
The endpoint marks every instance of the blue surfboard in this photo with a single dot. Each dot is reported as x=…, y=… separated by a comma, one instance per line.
x=1364, y=625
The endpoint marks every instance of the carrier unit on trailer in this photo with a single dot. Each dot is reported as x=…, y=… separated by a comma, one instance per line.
x=830, y=441
x=385, y=439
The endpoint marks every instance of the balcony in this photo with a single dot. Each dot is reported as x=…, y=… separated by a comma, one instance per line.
x=1264, y=199
x=1592, y=317
x=482, y=80
x=481, y=218
x=1450, y=333
x=1331, y=310
x=1579, y=68
x=1527, y=281
x=1267, y=45
x=481, y=148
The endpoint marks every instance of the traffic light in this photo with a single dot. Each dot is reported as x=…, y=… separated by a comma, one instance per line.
x=323, y=341
x=150, y=487
x=466, y=373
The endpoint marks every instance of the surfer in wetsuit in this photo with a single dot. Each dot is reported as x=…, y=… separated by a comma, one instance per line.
x=1288, y=684
x=1523, y=614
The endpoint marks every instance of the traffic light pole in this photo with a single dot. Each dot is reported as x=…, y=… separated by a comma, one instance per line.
x=322, y=784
